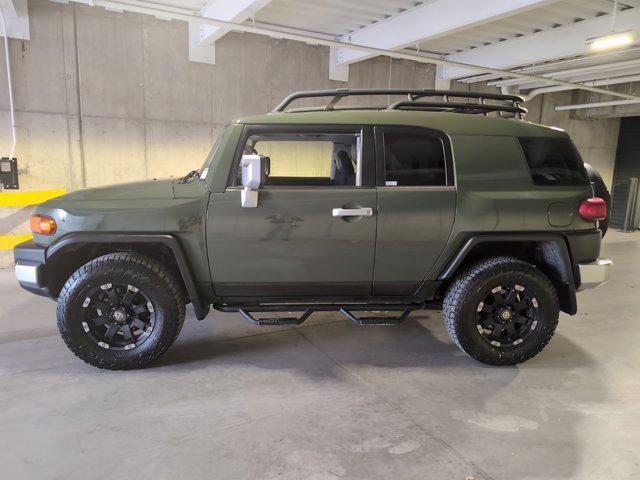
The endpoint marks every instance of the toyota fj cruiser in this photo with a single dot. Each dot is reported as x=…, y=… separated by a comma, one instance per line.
x=434, y=201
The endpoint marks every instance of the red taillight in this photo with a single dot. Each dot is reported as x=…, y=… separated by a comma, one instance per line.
x=593, y=209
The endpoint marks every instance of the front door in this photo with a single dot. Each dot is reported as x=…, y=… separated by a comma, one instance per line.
x=313, y=231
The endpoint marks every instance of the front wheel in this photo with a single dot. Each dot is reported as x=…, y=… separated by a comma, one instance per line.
x=501, y=311
x=120, y=311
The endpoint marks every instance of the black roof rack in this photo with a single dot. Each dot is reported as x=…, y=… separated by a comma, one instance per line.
x=511, y=104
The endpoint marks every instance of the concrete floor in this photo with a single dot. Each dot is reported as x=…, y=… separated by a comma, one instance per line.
x=328, y=400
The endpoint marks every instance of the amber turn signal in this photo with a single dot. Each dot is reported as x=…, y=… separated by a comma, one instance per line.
x=42, y=224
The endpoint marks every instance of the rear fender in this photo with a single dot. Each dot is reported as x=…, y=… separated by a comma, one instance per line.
x=546, y=251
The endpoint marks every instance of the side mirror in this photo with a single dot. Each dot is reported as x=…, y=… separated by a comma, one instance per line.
x=255, y=169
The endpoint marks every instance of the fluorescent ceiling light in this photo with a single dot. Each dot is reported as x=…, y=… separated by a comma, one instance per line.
x=612, y=40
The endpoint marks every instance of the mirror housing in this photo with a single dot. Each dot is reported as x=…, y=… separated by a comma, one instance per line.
x=254, y=174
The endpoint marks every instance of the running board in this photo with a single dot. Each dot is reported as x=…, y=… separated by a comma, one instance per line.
x=377, y=320
x=307, y=310
x=271, y=321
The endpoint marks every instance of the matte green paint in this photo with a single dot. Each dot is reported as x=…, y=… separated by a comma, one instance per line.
x=560, y=214
x=292, y=237
x=140, y=207
x=413, y=222
x=496, y=193
x=221, y=158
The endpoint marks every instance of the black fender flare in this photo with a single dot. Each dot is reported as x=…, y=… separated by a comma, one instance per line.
x=554, y=248
x=170, y=241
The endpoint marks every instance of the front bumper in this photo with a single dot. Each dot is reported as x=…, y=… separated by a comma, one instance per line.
x=594, y=274
x=30, y=267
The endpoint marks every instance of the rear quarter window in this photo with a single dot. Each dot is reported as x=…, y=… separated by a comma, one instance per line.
x=554, y=161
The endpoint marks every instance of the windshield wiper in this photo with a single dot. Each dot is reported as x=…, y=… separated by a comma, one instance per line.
x=190, y=175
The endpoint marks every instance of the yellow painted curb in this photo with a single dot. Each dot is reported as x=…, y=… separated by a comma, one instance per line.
x=20, y=199
x=7, y=242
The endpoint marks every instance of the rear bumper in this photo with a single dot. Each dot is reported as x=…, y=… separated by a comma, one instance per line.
x=594, y=274
x=30, y=267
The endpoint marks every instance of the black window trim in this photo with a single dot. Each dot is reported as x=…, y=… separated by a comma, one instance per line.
x=380, y=154
x=368, y=151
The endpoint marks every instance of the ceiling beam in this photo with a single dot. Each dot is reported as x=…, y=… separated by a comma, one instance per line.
x=561, y=42
x=236, y=11
x=9, y=7
x=203, y=36
x=575, y=74
x=428, y=21
x=149, y=8
x=17, y=18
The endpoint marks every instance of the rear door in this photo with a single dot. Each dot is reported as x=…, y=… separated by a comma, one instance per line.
x=416, y=206
x=292, y=245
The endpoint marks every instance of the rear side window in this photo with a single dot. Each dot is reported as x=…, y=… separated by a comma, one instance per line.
x=414, y=159
x=554, y=161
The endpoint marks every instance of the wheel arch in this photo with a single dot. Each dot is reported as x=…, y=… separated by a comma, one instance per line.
x=549, y=253
x=74, y=250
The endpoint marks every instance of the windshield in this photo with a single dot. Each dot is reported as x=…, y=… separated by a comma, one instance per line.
x=204, y=170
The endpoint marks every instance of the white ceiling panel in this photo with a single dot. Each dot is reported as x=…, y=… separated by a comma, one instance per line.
x=566, y=12
x=330, y=17
x=498, y=35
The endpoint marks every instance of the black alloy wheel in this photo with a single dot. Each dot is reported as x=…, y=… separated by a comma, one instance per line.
x=507, y=315
x=501, y=310
x=118, y=316
x=121, y=311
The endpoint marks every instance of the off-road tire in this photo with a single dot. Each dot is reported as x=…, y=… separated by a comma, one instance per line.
x=470, y=287
x=158, y=283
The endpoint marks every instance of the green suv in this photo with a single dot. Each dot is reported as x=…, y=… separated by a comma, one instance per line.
x=443, y=200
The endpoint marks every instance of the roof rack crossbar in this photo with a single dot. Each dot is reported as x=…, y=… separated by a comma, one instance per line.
x=457, y=107
x=413, y=95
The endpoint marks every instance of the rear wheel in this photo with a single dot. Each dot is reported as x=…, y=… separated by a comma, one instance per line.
x=501, y=311
x=120, y=311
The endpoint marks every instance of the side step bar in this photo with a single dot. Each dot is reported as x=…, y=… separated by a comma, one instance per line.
x=347, y=310
x=378, y=320
x=269, y=321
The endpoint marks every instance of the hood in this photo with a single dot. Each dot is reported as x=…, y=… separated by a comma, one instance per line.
x=149, y=189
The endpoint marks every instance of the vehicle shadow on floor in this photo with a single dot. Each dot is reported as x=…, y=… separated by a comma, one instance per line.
x=421, y=341
x=535, y=407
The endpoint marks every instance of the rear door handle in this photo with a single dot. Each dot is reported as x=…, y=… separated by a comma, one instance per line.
x=352, y=212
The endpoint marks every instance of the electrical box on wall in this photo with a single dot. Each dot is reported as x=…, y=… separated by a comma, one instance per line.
x=9, y=173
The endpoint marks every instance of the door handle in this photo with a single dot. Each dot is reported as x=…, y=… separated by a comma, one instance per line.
x=352, y=212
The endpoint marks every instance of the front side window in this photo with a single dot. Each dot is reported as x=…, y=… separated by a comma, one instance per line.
x=309, y=159
x=414, y=159
x=554, y=161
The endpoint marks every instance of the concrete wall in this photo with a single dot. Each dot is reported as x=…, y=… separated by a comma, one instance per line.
x=104, y=97
x=596, y=138
x=632, y=110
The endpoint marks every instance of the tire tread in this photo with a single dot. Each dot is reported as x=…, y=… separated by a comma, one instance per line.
x=123, y=362
x=464, y=282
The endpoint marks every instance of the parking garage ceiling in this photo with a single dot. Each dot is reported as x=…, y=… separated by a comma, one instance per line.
x=542, y=38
